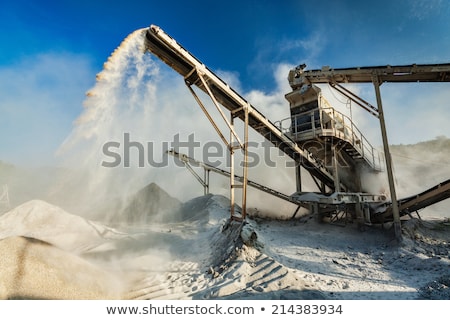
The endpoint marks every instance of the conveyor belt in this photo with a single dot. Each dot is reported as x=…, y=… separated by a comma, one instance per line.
x=426, y=198
x=419, y=201
x=225, y=173
x=405, y=73
x=174, y=55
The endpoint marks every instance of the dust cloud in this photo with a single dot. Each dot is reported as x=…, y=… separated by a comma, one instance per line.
x=139, y=99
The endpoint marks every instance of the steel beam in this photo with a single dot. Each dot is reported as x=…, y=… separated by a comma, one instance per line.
x=404, y=73
x=388, y=158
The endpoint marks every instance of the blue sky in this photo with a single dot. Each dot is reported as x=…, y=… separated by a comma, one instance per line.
x=52, y=50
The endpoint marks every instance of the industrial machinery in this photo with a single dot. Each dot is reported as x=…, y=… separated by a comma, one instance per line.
x=321, y=140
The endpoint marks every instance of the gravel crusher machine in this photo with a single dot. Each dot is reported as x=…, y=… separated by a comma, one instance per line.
x=320, y=139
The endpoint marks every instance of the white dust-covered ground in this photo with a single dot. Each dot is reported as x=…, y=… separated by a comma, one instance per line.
x=49, y=253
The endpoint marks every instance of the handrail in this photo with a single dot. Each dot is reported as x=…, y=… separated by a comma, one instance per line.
x=331, y=122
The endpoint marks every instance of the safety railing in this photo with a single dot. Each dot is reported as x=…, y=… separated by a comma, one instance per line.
x=326, y=121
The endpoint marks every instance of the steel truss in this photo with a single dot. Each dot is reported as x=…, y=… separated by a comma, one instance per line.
x=233, y=144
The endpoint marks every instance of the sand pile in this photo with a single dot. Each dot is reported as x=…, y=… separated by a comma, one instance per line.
x=206, y=257
x=344, y=263
x=153, y=205
x=242, y=270
x=33, y=269
x=210, y=260
x=39, y=245
x=148, y=205
x=41, y=220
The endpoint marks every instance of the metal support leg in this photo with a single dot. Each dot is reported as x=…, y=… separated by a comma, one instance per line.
x=232, y=181
x=389, y=169
x=203, y=182
x=233, y=144
x=244, y=147
x=337, y=183
x=296, y=211
x=298, y=177
x=206, y=180
x=245, y=164
x=359, y=211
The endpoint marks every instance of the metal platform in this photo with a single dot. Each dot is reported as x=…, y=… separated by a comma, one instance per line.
x=332, y=137
x=331, y=125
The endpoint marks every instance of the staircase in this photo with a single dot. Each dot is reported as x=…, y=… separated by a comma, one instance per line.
x=327, y=133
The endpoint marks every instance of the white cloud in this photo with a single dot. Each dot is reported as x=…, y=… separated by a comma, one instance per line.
x=231, y=78
x=308, y=48
x=273, y=54
x=421, y=9
x=416, y=112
